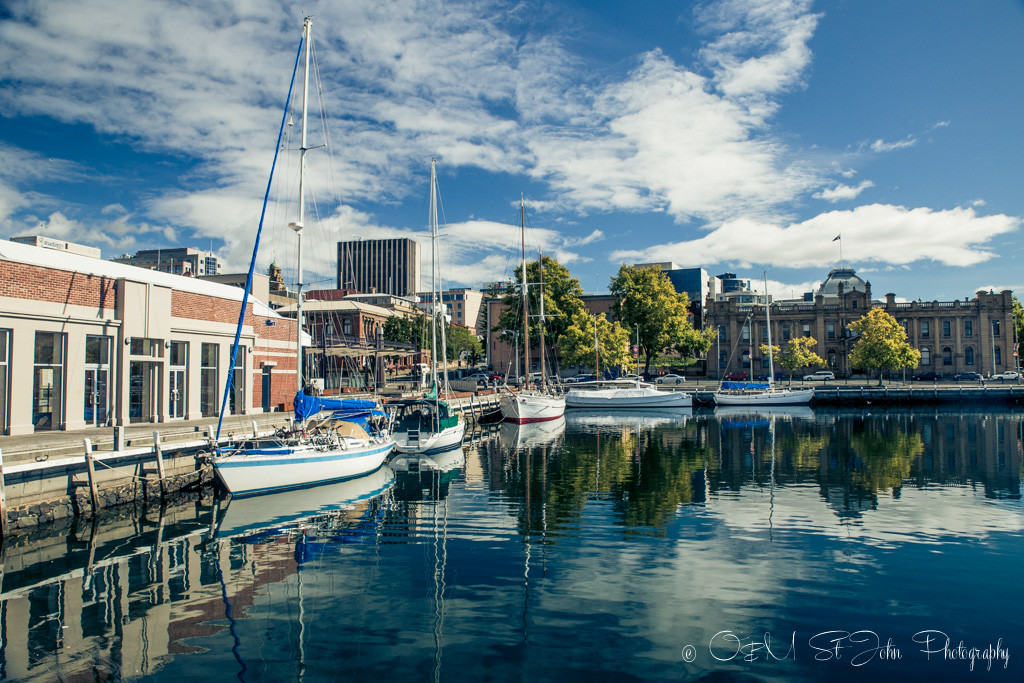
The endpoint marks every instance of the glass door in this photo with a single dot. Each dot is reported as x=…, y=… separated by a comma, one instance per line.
x=48, y=381
x=143, y=391
x=96, y=406
x=178, y=366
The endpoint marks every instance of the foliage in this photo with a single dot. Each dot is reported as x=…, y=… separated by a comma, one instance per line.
x=797, y=353
x=412, y=330
x=1018, y=319
x=885, y=458
x=882, y=344
x=563, y=306
x=646, y=301
x=460, y=340
x=612, y=339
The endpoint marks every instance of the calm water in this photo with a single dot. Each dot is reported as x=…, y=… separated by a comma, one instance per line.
x=785, y=546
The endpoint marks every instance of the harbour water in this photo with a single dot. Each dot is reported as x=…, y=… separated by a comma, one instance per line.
x=792, y=545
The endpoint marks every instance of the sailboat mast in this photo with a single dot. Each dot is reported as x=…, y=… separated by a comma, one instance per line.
x=297, y=225
x=433, y=274
x=543, y=353
x=526, y=310
x=768, y=322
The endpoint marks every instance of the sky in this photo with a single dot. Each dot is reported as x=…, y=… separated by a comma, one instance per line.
x=737, y=136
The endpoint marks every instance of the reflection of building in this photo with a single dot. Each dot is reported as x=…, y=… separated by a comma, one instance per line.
x=179, y=261
x=972, y=335
x=388, y=265
x=86, y=342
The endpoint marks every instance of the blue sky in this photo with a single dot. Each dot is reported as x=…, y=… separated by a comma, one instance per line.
x=740, y=135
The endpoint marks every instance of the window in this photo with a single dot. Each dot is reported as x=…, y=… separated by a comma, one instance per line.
x=947, y=328
x=968, y=328
x=723, y=359
x=97, y=379
x=745, y=333
x=745, y=359
x=926, y=355
x=48, y=381
x=995, y=328
x=236, y=399
x=947, y=356
x=830, y=330
x=208, y=379
x=998, y=354
x=969, y=355
x=5, y=344
x=853, y=304
x=831, y=358
x=178, y=367
x=346, y=326
x=721, y=333
x=807, y=330
x=925, y=329
x=785, y=330
x=144, y=347
x=764, y=333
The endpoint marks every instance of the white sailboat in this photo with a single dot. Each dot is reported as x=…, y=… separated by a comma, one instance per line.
x=429, y=425
x=762, y=393
x=531, y=405
x=330, y=449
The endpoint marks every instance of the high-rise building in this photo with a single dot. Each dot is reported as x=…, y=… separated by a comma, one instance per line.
x=390, y=266
x=177, y=261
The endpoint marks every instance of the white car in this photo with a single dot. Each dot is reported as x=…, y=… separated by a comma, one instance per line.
x=670, y=379
x=821, y=375
x=1009, y=374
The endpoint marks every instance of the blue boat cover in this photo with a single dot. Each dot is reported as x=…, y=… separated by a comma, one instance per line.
x=352, y=409
x=746, y=385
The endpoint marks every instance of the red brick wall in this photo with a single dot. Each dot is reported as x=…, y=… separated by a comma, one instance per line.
x=22, y=281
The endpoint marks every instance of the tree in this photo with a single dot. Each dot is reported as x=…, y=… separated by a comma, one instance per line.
x=1018, y=320
x=563, y=306
x=612, y=339
x=646, y=301
x=411, y=330
x=882, y=344
x=797, y=353
x=460, y=340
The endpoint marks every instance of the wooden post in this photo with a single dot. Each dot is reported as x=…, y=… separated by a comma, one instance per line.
x=92, y=477
x=3, y=499
x=159, y=460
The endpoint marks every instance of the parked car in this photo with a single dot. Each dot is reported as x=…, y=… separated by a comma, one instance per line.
x=966, y=376
x=670, y=380
x=820, y=375
x=930, y=376
x=779, y=376
x=1009, y=374
x=738, y=376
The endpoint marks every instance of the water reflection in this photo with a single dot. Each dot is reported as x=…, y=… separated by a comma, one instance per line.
x=596, y=545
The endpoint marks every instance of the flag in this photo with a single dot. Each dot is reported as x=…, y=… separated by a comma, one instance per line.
x=836, y=237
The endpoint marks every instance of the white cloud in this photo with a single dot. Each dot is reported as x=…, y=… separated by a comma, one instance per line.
x=881, y=146
x=843, y=192
x=871, y=233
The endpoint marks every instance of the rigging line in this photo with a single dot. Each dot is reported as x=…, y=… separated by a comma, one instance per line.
x=255, y=249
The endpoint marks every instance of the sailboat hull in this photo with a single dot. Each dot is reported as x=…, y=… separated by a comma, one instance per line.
x=263, y=470
x=438, y=442
x=778, y=397
x=625, y=398
x=528, y=406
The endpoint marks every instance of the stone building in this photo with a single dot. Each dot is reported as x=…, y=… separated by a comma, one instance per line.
x=969, y=335
x=86, y=342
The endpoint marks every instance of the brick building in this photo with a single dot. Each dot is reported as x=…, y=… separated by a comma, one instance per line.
x=969, y=335
x=86, y=342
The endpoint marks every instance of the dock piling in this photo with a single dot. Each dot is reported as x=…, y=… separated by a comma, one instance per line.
x=92, y=476
x=158, y=451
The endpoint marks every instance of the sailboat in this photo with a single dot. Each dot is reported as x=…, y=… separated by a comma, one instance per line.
x=762, y=393
x=325, y=449
x=429, y=425
x=531, y=405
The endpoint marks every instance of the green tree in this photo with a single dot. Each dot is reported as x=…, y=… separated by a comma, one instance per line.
x=460, y=340
x=882, y=344
x=563, y=306
x=797, y=353
x=412, y=330
x=612, y=339
x=1018, y=320
x=645, y=301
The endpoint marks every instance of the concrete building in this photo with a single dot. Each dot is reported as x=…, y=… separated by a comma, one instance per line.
x=178, y=261
x=464, y=306
x=86, y=342
x=969, y=335
x=391, y=266
x=58, y=245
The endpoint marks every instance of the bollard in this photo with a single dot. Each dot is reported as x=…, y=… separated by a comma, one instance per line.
x=118, y=438
x=3, y=500
x=92, y=476
x=159, y=452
